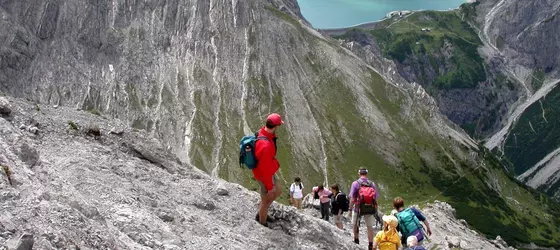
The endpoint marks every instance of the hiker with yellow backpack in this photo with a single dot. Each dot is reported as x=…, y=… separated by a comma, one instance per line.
x=389, y=238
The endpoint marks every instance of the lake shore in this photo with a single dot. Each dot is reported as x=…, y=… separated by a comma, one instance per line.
x=373, y=24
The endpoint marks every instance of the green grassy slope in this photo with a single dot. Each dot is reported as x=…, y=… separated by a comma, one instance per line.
x=404, y=39
x=535, y=135
x=332, y=101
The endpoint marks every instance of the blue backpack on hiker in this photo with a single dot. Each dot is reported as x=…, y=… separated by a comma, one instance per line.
x=408, y=223
x=247, y=150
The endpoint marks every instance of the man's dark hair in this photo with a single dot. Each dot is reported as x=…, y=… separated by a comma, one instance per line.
x=335, y=187
x=363, y=171
x=270, y=124
x=320, y=187
x=297, y=179
x=398, y=202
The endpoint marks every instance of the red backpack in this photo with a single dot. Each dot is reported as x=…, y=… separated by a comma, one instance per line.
x=367, y=204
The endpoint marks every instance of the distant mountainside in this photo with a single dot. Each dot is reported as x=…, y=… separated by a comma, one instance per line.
x=199, y=75
x=491, y=68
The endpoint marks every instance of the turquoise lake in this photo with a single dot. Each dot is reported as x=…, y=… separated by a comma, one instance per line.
x=323, y=14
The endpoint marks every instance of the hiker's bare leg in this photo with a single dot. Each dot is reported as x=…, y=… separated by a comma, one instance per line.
x=370, y=221
x=338, y=220
x=370, y=234
x=355, y=224
x=263, y=208
x=277, y=190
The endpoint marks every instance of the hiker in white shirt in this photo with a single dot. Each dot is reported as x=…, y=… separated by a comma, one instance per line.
x=296, y=193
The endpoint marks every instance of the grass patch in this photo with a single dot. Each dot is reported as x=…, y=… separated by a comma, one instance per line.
x=405, y=42
x=73, y=125
x=283, y=16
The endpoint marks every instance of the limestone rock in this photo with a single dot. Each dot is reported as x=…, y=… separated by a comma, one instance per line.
x=453, y=241
x=222, y=191
x=5, y=109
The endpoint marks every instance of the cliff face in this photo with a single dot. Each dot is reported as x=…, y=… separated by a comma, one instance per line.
x=525, y=32
x=196, y=76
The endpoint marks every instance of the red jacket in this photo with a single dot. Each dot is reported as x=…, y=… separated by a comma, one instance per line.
x=267, y=164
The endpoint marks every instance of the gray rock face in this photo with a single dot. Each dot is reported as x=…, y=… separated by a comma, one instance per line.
x=526, y=32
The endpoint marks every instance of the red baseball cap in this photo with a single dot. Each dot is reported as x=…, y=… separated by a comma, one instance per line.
x=276, y=119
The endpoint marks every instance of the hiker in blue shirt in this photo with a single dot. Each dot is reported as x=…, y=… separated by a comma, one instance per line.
x=409, y=221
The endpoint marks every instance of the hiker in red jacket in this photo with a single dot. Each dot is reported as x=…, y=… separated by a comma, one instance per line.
x=267, y=166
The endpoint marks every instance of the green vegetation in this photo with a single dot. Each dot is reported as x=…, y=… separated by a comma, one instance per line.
x=446, y=43
x=72, y=125
x=468, y=11
x=536, y=134
x=283, y=15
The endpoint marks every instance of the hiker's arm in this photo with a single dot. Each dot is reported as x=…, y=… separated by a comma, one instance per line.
x=423, y=219
x=428, y=229
x=351, y=206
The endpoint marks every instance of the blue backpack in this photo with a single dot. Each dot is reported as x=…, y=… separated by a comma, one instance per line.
x=247, y=150
x=408, y=222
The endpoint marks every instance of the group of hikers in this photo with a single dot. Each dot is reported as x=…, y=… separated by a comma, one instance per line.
x=258, y=153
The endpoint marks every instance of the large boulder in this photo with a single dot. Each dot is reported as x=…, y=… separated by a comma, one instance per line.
x=309, y=202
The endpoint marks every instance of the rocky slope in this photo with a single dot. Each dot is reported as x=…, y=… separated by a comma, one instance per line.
x=124, y=191
x=120, y=189
x=198, y=75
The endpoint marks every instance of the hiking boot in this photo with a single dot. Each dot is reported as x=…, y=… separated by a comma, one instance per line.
x=268, y=218
x=357, y=241
x=370, y=246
